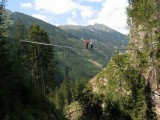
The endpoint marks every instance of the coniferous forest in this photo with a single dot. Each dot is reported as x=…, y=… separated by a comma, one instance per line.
x=35, y=84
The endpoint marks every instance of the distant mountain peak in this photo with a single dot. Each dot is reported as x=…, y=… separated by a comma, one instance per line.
x=101, y=27
x=97, y=26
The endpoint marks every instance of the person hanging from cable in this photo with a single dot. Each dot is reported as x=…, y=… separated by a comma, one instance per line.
x=91, y=43
x=86, y=43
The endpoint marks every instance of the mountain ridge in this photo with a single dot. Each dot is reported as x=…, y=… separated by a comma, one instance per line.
x=96, y=25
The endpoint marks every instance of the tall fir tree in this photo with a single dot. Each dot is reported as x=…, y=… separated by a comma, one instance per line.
x=41, y=58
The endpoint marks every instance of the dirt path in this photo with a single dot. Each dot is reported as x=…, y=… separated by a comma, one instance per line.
x=96, y=63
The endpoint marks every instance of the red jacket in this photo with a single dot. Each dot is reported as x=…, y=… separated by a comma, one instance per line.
x=86, y=42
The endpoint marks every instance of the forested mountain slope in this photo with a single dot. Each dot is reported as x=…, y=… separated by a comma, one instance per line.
x=77, y=62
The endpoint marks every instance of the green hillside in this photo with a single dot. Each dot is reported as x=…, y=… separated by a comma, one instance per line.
x=76, y=62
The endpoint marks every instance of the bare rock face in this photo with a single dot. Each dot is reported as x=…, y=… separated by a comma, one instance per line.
x=143, y=36
x=97, y=84
x=156, y=103
x=73, y=111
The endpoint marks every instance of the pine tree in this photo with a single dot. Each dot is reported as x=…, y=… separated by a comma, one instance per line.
x=41, y=58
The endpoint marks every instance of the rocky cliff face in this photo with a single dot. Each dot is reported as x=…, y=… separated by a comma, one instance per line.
x=145, y=37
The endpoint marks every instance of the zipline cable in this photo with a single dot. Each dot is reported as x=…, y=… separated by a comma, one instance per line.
x=53, y=45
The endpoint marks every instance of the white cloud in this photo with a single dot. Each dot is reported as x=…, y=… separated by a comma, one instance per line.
x=55, y=6
x=39, y=16
x=86, y=11
x=113, y=15
x=74, y=14
x=26, y=5
x=71, y=21
x=59, y=7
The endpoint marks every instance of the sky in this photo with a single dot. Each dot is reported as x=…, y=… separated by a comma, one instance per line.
x=111, y=13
